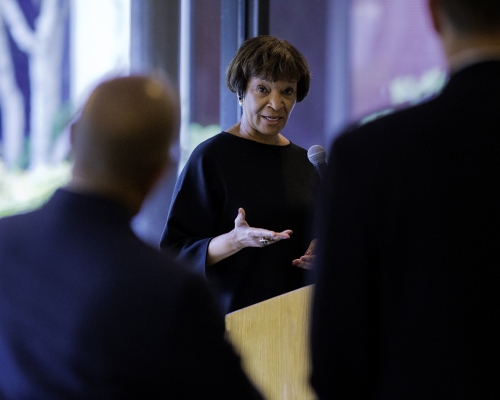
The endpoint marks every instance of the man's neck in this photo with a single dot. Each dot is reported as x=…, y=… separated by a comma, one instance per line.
x=472, y=56
x=465, y=51
x=130, y=198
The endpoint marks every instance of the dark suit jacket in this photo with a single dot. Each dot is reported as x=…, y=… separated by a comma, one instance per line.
x=88, y=311
x=407, y=299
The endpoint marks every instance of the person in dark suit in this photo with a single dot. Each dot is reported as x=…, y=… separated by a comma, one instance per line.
x=406, y=303
x=87, y=310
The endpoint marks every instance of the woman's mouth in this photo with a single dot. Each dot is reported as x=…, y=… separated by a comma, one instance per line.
x=272, y=119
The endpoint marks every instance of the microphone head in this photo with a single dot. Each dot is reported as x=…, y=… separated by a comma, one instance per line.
x=316, y=155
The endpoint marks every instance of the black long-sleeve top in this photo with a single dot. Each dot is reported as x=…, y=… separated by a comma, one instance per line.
x=276, y=187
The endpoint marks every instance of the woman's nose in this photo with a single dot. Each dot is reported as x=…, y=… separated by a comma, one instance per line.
x=275, y=101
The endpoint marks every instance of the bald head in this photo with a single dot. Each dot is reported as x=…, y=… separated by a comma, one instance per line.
x=121, y=141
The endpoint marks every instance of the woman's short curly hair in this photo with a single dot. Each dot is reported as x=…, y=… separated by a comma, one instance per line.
x=268, y=58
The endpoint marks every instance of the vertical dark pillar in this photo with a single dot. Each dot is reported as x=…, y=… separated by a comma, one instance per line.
x=240, y=20
x=155, y=44
x=230, y=40
x=339, y=81
x=257, y=18
x=154, y=37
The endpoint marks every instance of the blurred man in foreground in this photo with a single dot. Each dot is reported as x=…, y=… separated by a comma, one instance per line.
x=86, y=309
x=407, y=300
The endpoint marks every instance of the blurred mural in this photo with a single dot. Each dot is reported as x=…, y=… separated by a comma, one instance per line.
x=40, y=88
x=396, y=58
x=33, y=32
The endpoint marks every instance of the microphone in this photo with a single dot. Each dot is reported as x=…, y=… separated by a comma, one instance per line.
x=317, y=157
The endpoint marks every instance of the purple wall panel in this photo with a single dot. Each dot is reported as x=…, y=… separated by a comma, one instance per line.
x=389, y=39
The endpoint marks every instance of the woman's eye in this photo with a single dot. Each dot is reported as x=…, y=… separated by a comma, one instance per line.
x=288, y=91
x=261, y=89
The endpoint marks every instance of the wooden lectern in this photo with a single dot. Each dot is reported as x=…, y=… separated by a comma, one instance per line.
x=272, y=340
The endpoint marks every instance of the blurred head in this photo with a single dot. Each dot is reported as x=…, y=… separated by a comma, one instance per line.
x=271, y=59
x=473, y=16
x=121, y=142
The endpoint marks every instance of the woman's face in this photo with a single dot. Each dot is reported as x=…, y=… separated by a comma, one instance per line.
x=267, y=106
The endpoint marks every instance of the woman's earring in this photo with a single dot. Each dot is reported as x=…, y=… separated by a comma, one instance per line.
x=240, y=100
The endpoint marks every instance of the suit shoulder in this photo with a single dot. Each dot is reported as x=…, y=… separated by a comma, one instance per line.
x=396, y=128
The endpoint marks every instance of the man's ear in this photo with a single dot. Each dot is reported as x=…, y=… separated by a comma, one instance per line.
x=435, y=13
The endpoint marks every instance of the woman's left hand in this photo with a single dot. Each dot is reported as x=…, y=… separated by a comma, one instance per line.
x=307, y=260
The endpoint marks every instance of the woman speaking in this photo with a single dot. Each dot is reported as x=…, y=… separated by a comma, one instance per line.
x=243, y=204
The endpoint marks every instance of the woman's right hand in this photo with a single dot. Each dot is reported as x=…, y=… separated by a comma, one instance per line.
x=246, y=236
x=243, y=235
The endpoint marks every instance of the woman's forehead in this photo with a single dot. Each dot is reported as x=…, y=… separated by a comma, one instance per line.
x=270, y=80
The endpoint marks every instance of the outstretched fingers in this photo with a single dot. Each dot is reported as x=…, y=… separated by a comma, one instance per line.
x=256, y=237
x=307, y=260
